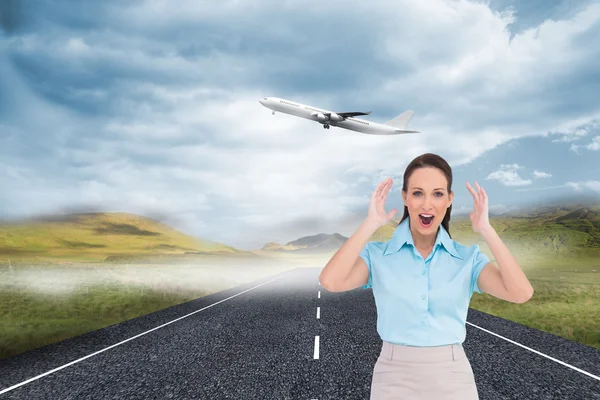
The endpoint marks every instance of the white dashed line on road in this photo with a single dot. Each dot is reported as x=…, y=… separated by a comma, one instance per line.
x=316, y=356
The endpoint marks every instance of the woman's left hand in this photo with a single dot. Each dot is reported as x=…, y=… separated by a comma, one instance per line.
x=479, y=217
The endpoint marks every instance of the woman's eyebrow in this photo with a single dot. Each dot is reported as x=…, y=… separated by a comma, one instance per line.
x=414, y=187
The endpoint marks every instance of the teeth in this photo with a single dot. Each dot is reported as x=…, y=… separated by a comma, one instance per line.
x=426, y=215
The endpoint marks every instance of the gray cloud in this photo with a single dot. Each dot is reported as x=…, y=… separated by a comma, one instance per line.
x=154, y=108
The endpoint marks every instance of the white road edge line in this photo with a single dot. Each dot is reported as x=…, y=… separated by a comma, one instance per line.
x=537, y=352
x=316, y=356
x=318, y=312
x=141, y=334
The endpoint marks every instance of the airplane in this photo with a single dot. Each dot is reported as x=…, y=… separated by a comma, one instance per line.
x=344, y=120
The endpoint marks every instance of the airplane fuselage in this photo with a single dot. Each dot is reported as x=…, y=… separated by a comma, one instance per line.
x=327, y=117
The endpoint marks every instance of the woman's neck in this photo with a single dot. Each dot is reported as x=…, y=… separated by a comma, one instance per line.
x=423, y=241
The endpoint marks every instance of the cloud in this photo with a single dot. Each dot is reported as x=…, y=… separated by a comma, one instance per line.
x=574, y=130
x=589, y=185
x=540, y=188
x=595, y=145
x=154, y=109
x=508, y=176
x=540, y=174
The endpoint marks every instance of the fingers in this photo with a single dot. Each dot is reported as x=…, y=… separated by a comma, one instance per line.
x=388, y=186
x=477, y=204
x=380, y=188
x=479, y=195
x=384, y=188
x=472, y=191
x=480, y=198
x=478, y=191
x=379, y=196
x=483, y=193
x=377, y=191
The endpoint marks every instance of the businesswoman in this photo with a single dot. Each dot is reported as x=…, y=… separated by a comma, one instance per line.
x=422, y=282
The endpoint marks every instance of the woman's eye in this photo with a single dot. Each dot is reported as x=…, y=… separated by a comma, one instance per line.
x=438, y=194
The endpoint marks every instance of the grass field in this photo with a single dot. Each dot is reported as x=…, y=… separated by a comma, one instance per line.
x=60, y=279
x=567, y=309
x=43, y=306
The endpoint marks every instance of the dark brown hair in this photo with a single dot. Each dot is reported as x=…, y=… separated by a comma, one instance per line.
x=435, y=161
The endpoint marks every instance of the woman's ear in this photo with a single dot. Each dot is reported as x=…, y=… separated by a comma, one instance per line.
x=451, y=197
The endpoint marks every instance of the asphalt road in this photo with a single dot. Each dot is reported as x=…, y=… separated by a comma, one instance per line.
x=282, y=338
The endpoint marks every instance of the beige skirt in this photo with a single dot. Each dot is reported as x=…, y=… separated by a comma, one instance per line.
x=423, y=373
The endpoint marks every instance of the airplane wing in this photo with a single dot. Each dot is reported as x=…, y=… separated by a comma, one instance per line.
x=353, y=114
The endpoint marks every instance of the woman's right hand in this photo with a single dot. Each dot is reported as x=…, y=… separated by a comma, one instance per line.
x=377, y=214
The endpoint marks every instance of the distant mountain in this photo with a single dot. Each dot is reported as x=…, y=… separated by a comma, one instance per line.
x=319, y=243
x=322, y=240
x=272, y=246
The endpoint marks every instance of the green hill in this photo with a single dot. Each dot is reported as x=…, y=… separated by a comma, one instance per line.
x=99, y=237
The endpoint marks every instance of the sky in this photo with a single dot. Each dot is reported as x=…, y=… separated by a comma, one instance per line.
x=153, y=108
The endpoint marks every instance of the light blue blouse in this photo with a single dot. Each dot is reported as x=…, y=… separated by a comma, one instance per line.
x=422, y=302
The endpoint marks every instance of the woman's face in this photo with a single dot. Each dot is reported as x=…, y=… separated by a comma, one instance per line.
x=427, y=199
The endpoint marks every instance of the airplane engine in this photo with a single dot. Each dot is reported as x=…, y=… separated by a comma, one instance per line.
x=321, y=117
x=335, y=117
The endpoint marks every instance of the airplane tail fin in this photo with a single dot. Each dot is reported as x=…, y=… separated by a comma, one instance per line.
x=401, y=121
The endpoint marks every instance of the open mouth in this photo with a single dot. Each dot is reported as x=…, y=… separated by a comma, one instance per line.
x=426, y=220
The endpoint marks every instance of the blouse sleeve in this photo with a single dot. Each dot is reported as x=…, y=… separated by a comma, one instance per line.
x=364, y=254
x=480, y=260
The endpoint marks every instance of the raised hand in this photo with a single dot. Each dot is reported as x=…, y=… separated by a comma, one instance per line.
x=479, y=217
x=377, y=212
